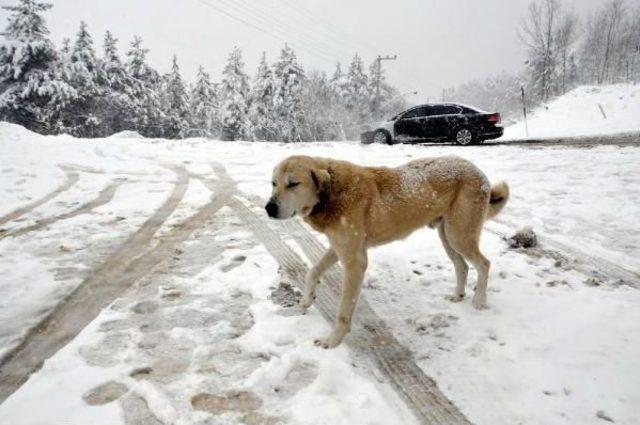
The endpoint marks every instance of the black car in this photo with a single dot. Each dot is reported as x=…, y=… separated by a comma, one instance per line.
x=443, y=122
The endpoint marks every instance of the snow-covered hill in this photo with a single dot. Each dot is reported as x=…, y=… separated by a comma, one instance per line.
x=578, y=113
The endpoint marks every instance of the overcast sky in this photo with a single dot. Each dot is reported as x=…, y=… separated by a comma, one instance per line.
x=439, y=43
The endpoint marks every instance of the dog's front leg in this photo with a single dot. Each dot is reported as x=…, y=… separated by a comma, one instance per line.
x=313, y=275
x=355, y=264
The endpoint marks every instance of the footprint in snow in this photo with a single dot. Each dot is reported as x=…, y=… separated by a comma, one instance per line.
x=105, y=393
x=235, y=262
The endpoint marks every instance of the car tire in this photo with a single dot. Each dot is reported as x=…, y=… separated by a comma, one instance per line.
x=463, y=136
x=382, y=136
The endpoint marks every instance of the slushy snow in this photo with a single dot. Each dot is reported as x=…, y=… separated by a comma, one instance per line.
x=555, y=347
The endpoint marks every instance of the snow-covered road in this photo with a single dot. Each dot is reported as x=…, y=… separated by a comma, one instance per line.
x=196, y=339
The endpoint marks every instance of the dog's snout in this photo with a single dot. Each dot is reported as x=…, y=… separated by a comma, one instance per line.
x=272, y=209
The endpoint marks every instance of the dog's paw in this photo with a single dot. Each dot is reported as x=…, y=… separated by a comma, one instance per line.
x=304, y=303
x=479, y=304
x=330, y=341
x=455, y=298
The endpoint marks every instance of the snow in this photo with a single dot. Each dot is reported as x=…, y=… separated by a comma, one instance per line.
x=126, y=134
x=578, y=113
x=552, y=348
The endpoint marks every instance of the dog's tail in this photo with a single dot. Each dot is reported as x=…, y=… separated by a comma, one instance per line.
x=499, y=198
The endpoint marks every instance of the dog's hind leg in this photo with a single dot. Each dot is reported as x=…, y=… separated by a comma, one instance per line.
x=314, y=274
x=461, y=267
x=467, y=245
x=463, y=227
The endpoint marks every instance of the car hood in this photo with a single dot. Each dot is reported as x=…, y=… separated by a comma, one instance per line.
x=387, y=125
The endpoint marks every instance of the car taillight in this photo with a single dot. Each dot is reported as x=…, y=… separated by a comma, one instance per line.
x=494, y=118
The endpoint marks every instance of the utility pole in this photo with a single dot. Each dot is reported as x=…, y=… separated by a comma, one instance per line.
x=524, y=112
x=376, y=100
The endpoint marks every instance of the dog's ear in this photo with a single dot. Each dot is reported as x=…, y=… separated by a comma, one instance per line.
x=322, y=180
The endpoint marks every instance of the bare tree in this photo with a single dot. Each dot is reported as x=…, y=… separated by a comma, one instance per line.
x=538, y=32
x=613, y=16
x=566, y=36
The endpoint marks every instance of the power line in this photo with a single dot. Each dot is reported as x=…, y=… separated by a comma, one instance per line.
x=281, y=23
x=264, y=31
x=330, y=27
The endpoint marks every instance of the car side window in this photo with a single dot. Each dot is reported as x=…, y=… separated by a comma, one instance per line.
x=415, y=113
x=446, y=110
x=452, y=110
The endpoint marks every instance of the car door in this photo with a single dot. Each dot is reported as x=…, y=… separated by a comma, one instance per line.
x=411, y=124
x=442, y=120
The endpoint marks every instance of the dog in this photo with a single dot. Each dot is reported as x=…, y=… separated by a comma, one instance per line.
x=359, y=207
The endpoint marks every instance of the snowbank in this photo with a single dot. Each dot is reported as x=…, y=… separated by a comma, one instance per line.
x=126, y=134
x=578, y=113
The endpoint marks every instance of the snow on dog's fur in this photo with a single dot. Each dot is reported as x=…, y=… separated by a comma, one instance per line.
x=358, y=207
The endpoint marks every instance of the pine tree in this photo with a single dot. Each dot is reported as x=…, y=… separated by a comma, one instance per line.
x=324, y=113
x=80, y=117
x=31, y=89
x=204, y=108
x=175, y=103
x=149, y=119
x=111, y=50
x=83, y=52
x=137, y=60
x=289, y=78
x=117, y=105
x=262, y=105
x=338, y=83
x=357, y=89
x=65, y=51
x=234, y=99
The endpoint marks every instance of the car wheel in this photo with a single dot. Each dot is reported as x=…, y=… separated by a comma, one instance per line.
x=464, y=137
x=381, y=136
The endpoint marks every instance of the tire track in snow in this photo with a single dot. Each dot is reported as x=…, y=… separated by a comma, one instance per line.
x=584, y=262
x=585, y=142
x=370, y=335
x=104, y=197
x=71, y=178
x=119, y=271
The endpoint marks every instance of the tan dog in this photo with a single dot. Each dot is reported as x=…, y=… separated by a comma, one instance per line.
x=360, y=207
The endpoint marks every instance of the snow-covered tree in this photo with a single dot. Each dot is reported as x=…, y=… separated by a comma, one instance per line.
x=538, y=33
x=149, y=117
x=204, y=106
x=234, y=99
x=83, y=52
x=80, y=117
x=117, y=105
x=338, y=83
x=65, y=51
x=357, y=93
x=573, y=72
x=288, y=77
x=324, y=113
x=262, y=102
x=31, y=89
x=566, y=36
x=175, y=103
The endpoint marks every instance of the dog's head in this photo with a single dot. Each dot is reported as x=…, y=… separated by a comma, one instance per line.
x=299, y=184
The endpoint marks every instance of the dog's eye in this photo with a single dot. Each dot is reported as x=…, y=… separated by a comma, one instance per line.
x=273, y=184
x=292, y=184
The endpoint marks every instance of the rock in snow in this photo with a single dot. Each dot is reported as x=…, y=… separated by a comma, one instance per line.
x=524, y=238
